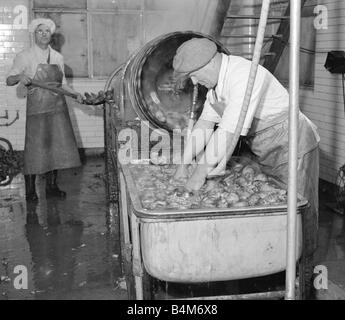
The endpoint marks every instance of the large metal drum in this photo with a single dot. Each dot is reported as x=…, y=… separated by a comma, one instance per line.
x=144, y=85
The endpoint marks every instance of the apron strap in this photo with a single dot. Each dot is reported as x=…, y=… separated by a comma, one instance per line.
x=48, y=60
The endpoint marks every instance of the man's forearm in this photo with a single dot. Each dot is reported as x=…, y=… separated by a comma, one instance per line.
x=216, y=152
x=197, y=141
x=216, y=148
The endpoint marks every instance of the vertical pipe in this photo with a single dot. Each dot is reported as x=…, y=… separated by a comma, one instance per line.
x=90, y=46
x=295, y=16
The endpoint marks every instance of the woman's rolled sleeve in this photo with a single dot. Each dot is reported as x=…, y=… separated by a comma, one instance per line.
x=18, y=66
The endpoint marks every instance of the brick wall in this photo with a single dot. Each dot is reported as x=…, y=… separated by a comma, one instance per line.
x=14, y=37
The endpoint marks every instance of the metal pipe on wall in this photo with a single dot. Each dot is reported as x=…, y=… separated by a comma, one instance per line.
x=219, y=17
x=295, y=14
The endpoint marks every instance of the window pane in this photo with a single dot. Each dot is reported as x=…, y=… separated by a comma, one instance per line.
x=115, y=4
x=169, y=21
x=70, y=39
x=307, y=55
x=75, y=4
x=165, y=4
x=114, y=38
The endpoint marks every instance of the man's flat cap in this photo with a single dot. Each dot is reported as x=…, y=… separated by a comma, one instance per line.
x=193, y=55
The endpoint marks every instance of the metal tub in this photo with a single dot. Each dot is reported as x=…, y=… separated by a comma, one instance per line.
x=201, y=245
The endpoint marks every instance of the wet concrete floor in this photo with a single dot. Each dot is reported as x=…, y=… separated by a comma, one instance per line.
x=71, y=247
x=331, y=242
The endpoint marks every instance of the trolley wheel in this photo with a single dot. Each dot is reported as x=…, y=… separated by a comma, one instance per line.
x=306, y=265
x=130, y=287
x=305, y=278
x=148, y=286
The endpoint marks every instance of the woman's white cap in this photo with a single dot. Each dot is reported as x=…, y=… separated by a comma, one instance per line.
x=36, y=22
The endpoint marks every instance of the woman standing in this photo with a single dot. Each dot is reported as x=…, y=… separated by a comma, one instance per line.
x=49, y=138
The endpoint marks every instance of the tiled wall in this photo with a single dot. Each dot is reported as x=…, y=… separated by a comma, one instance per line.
x=87, y=122
x=323, y=103
x=12, y=40
x=163, y=17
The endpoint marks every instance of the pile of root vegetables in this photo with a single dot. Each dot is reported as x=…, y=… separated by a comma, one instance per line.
x=100, y=98
x=172, y=119
x=243, y=185
x=11, y=164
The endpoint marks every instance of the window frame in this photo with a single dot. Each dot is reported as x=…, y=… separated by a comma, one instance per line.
x=89, y=12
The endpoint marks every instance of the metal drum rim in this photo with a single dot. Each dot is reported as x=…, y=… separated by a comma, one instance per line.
x=136, y=63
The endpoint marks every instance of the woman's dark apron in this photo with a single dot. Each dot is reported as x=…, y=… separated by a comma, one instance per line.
x=50, y=143
x=270, y=143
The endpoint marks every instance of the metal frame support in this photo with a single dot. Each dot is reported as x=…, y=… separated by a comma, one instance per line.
x=124, y=209
x=295, y=14
x=272, y=295
x=137, y=263
x=131, y=240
